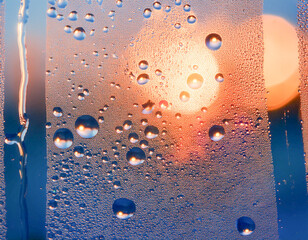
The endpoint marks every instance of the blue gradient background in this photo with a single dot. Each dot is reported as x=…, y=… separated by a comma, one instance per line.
x=288, y=161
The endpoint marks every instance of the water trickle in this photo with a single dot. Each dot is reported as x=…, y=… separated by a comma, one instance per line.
x=135, y=156
x=213, y=41
x=86, y=126
x=123, y=208
x=63, y=138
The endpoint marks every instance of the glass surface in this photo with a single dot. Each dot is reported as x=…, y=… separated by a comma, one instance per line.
x=195, y=72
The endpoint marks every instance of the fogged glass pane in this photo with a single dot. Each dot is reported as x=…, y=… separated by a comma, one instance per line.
x=157, y=123
x=303, y=42
x=2, y=184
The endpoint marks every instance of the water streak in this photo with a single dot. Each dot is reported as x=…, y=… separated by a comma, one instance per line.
x=19, y=138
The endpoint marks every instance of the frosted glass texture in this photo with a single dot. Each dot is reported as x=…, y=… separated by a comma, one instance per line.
x=162, y=131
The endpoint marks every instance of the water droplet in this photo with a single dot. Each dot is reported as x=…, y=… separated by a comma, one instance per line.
x=57, y=112
x=105, y=29
x=147, y=13
x=117, y=184
x=63, y=138
x=79, y=33
x=62, y=3
x=135, y=156
x=186, y=7
x=157, y=5
x=245, y=226
x=178, y=2
x=167, y=9
x=48, y=125
x=184, y=96
x=219, y=77
x=195, y=81
x=204, y=109
x=73, y=16
x=80, y=96
x=158, y=72
x=119, y=3
x=89, y=17
x=86, y=126
x=123, y=208
x=177, y=25
x=144, y=122
x=143, y=79
x=52, y=205
x=163, y=104
x=144, y=144
x=133, y=137
x=60, y=17
x=213, y=41
x=148, y=107
x=216, y=133
x=52, y=12
x=127, y=124
x=143, y=65
x=101, y=119
x=151, y=132
x=119, y=129
x=191, y=19
x=68, y=29
x=79, y=151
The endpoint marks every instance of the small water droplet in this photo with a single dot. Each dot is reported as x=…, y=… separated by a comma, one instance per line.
x=105, y=29
x=89, y=17
x=79, y=33
x=52, y=205
x=79, y=151
x=178, y=2
x=216, y=133
x=151, y=132
x=63, y=138
x=123, y=208
x=177, y=25
x=60, y=17
x=143, y=65
x=219, y=77
x=133, y=137
x=167, y=9
x=147, y=13
x=68, y=29
x=119, y=3
x=80, y=96
x=86, y=126
x=117, y=184
x=213, y=41
x=163, y=104
x=245, y=226
x=184, y=96
x=135, y=156
x=191, y=19
x=144, y=144
x=148, y=107
x=127, y=124
x=195, y=81
x=57, y=112
x=73, y=16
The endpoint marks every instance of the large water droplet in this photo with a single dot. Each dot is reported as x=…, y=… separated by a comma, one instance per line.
x=147, y=13
x=52, y=12
x=151, y=132
x=73, y=16
x=135, y=156
x=63, y=138
x=89, y=17
x=245, y=226
x=79, y=33
x=213, y=41
x=86, y=126
x=62, y=3
x=219, y=77
x=184, y=96
x=143, y=65
x=191, y=19
x=57, y=112
x=123, y=208
x=195, y=81
x=216, y=133
x=143, y=79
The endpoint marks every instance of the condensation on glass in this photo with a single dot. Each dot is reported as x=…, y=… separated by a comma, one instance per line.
x=2, y=137
x=160, y=129
x=303, y=63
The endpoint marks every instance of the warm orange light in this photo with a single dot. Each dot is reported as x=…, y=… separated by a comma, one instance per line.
x=281, y=66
